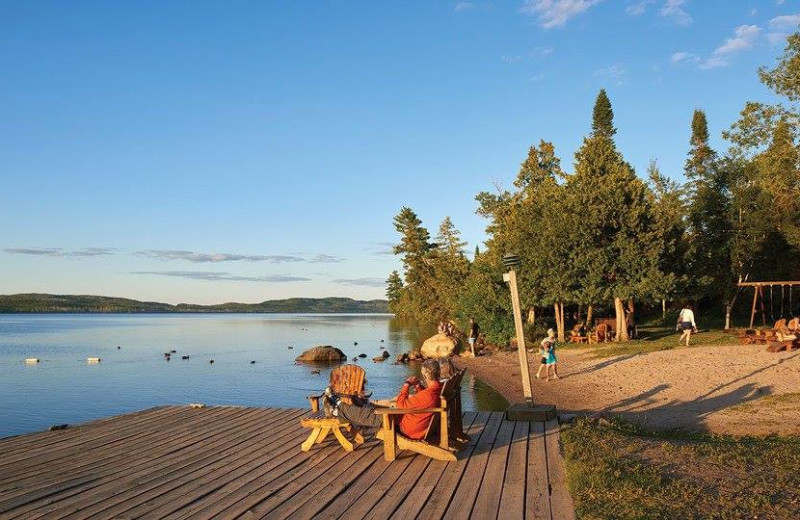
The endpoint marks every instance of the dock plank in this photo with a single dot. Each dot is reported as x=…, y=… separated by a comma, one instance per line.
x=181, y=463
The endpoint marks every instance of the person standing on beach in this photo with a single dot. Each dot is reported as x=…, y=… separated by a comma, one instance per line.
x=547, y=349
x=473, y=334
x=686, y=324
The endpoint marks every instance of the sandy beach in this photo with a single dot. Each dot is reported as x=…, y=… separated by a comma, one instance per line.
x=731, y=389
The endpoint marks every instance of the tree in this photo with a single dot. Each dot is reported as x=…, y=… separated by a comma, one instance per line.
x=450, y=267
x=603, y=116
x=708, y=213
x=394, y=292
x=418, y=297
x=612, y=249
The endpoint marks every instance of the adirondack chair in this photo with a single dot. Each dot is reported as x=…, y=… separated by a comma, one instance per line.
x=347, y=381
x=444, y=435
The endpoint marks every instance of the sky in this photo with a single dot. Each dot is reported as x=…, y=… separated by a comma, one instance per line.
x=206, y=152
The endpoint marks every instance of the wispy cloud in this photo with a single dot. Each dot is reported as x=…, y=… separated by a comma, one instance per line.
x=673, y=9
x=464, y=6
x=786, y=21
x=382, y=248
x=201, y=258
x=59, y=252
x=638, y=8
x=744, y=38
x=681, y=58
x=511, y=59
x=214, y=276
x=555, y=13
x=536, y=78
x=543, y=51
x=362, y=282
x=615, y=73
x=325, y=259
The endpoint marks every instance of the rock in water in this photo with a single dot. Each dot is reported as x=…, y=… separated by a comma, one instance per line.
x=401, y=358
x=385, y=354
x=322, y=353
x=440, y=345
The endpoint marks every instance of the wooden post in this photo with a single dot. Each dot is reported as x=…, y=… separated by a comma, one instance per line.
x=761, y=297
x=511, y=278
x=753, y=310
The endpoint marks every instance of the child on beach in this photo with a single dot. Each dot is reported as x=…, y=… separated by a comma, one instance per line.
x=547, y=352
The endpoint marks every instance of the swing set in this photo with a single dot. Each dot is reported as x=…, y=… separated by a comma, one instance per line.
x=759, y=298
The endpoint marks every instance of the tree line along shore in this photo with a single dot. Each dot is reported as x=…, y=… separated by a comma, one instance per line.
x=603, y=240
x=51, y=303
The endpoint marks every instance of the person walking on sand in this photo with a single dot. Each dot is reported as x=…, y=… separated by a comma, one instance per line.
x=547, y=349
x=686, y=324
x=474, y=329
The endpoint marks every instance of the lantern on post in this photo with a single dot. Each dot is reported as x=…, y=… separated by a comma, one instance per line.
x=522, y=411
x=512, y=262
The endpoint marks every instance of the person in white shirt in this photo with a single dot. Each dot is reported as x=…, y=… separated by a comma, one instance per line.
x=686, y=324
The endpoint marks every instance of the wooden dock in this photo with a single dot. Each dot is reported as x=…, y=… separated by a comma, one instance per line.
x=232, y=462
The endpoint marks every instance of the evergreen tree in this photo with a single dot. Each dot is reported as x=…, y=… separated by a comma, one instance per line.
x=418, y=297
x=603, y=116
x=450, y=267
x=708, y=215
x=394, y=292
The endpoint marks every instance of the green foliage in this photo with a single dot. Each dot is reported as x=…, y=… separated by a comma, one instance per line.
x=603, y=116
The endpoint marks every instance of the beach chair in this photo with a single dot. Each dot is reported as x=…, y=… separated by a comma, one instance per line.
x=348, y=382
x=444, y=435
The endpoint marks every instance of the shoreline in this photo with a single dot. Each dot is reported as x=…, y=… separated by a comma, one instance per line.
x=728, y=389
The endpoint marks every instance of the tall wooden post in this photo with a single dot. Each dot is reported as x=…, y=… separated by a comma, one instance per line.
x=753, y=309
x=511, y=278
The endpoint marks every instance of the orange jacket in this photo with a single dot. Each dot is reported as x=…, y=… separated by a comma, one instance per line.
x=413, y=425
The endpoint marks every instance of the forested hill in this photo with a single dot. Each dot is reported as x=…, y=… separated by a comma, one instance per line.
x=44, y=303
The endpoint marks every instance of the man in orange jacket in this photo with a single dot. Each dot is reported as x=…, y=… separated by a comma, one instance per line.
x=412, y=425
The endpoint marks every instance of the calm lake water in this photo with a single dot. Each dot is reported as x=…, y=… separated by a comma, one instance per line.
x=64, y=388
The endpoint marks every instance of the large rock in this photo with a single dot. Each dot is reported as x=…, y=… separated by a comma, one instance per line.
x=322, y=354
x=440, y=345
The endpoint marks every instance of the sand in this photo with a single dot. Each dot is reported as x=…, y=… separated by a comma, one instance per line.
x=734, y=389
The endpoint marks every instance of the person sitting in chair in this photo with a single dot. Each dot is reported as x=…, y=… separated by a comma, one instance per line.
x=412, y=425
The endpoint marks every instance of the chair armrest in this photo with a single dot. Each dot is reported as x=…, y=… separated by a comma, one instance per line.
x=402, y=411
x=315, y=396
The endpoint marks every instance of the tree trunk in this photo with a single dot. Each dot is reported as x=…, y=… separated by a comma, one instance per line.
x=531, y=315
x=663, y=309
x=562, y=328
x=589, y=317
x=728, y=316
x=558, y=317
x=622, y=330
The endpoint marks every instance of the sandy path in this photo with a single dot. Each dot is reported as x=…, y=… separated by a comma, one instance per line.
x=695, y=388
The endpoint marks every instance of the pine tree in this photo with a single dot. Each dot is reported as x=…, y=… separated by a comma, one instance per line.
x=451, y=268
x=394, y=292
x=417, y=256
x=603, y=116
x=708, y=215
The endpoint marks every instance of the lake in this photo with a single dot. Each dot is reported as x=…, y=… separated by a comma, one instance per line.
x=64, y=389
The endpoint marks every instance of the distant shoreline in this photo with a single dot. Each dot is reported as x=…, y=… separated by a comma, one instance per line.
x=88, y=304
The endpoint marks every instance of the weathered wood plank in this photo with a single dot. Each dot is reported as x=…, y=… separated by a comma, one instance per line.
x=424, y=487
x=109, y=485
x=487, y=502
x=537, y=493
x=561, y=505
x=466, y=492
x=512, y=501
x=221, y=462
x=441, y=497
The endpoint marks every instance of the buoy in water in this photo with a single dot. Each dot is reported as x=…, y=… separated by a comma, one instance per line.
x=31, y=360
x=93, y=360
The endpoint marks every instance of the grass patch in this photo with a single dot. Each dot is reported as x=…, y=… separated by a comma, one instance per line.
x=617, y=470
x=653, y=339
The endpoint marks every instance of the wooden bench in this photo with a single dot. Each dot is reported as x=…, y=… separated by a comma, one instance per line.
x=347, y=382
x=444, y=435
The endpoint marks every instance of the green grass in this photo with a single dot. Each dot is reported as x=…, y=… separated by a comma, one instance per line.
x=655, y=338
x=616, y=470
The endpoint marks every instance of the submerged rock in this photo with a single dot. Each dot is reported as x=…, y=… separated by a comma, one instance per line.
x=322, y=354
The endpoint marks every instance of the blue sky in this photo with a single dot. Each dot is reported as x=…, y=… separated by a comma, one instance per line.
x=194, y=151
